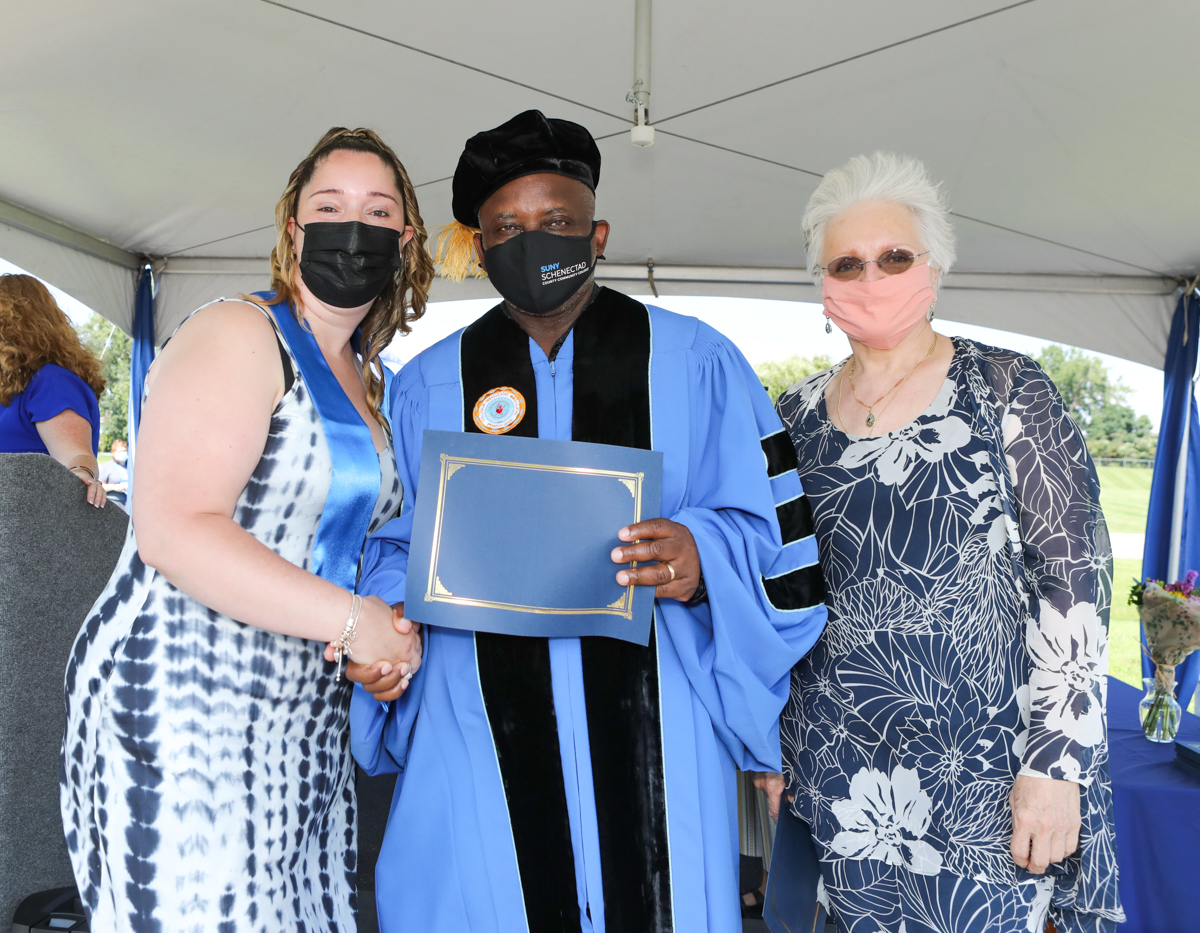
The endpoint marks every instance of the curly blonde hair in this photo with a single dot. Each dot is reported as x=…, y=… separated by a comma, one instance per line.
x=34, y=331
x=403, y=299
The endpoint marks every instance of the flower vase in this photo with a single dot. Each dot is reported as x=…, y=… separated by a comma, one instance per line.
x=1159, y=711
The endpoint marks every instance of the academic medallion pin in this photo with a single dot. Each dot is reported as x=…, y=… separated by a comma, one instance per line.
x=499, y=410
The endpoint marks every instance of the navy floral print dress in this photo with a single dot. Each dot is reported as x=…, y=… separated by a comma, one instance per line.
x=970, y=579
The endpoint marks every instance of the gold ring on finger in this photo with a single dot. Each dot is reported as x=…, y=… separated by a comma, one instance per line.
x=672, y=569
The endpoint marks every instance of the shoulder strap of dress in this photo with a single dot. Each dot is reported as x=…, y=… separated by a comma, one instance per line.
x=285, y=355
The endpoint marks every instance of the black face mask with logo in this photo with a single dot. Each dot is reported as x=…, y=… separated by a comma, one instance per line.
x=537, y=271
x=348, y=264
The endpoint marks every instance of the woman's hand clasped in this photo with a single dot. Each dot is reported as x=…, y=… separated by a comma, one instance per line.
x=386, y=675
x=1046, y=821
x=387, y=649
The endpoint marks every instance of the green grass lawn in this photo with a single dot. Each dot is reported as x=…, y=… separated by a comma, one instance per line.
x=1125, y=497
x=1124, y=630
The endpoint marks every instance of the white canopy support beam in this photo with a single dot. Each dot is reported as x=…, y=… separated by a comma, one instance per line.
x=56, y=232
x=1050, y=306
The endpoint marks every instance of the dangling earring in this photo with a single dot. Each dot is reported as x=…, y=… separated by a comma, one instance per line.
x=828, y=326
x=929, y=313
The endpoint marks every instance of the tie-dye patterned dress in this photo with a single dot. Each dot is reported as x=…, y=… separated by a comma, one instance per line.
x=207, y=783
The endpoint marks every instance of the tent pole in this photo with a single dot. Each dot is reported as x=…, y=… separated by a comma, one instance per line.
x=1181, y=468
x=1181, y=471
x=642, y=134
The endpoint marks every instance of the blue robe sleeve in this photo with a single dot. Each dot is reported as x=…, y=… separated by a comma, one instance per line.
x=753, y=528
x=380, y=732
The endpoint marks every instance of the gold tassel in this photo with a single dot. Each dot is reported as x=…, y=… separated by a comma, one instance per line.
x=454, y=252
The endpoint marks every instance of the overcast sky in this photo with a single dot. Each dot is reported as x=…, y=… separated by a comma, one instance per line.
x=762, y=330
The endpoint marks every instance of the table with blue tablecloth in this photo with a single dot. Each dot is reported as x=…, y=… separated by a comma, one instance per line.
x=1157, y=810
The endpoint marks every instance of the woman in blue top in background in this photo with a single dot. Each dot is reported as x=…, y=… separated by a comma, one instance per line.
x=50, y=384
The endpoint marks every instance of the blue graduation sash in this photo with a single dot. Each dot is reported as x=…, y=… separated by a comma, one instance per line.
x=354, y=485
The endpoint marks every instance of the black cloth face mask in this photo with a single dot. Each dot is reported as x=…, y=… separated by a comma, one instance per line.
x=348, y=264
x=537, y=271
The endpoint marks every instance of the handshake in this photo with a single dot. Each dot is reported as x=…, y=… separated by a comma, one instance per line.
x=387, y=652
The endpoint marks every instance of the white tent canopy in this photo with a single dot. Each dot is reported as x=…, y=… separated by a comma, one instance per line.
x=1064, y=132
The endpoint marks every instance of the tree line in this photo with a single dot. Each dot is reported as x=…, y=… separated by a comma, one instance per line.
x=113, y=348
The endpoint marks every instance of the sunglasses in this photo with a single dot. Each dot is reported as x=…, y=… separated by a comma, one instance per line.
x=893, y=262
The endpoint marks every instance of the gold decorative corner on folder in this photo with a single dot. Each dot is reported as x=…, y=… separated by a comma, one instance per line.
x=453, y=468
x=439, y=588
x=629, y=484
x=619, y=604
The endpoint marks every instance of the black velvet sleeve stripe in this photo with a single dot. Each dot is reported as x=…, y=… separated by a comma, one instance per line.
x=515, y=679
x=799, y=589
x=781, y=455
x=795, y=519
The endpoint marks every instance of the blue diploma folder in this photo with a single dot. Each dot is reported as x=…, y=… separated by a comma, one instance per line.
x=514, y=535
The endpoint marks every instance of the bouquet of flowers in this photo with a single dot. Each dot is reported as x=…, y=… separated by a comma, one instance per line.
x=1171, y=618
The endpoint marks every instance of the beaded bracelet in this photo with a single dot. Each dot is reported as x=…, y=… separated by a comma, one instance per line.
x=341, y=644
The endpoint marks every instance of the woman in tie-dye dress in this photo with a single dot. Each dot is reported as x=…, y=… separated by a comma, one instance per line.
x=206, y=774
x=945, y=739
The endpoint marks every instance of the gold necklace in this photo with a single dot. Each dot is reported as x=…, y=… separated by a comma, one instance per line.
x=871, y=417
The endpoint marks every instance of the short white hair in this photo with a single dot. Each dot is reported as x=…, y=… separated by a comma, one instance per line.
x=883, y=176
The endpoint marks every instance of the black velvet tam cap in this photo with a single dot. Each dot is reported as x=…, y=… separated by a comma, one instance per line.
x=528, y=144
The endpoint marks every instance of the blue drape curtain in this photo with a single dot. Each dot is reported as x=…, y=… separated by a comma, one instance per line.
x=1175, y=491
x=143, y=356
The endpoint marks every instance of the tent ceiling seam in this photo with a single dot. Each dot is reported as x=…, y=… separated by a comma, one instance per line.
x=987, y=223
x=234, y=236
x=843, y=61
x=447, y=60
x=257, y=229
x=1078, y=249
x=777, y=275
x=220, y=239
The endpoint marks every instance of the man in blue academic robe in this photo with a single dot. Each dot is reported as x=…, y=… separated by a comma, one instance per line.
x=588, y=784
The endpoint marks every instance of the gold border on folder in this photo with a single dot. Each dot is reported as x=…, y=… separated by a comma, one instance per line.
x=435, y=590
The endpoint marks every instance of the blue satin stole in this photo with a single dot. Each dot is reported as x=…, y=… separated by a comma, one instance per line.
x=354, y=485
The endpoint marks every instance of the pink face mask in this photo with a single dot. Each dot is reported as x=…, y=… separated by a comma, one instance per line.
x=879, y=313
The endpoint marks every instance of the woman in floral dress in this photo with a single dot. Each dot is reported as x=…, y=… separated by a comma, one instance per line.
x=945, y=739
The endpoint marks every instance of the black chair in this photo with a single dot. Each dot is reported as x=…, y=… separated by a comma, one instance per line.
x=56, y=555
x=58, y=909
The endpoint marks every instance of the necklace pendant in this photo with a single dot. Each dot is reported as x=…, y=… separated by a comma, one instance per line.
x=870, y=419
